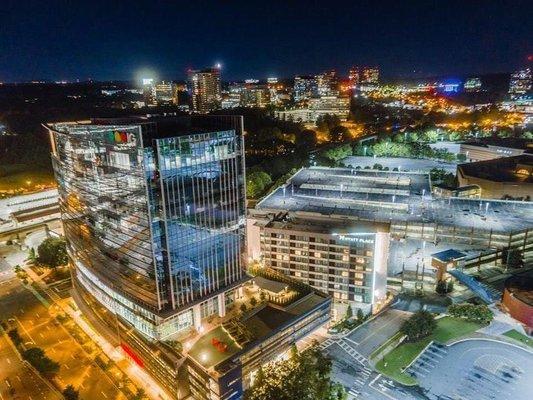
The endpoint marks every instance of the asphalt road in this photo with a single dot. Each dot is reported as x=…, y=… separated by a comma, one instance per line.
x=17, y=379
x=371, y=335
x=36, y=325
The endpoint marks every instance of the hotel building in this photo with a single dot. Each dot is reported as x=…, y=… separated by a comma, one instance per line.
x=346, y=259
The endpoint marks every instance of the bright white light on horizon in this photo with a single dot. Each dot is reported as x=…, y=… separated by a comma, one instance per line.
x=145, y=76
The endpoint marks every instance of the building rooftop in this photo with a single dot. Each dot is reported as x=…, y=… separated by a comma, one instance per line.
x=155, y=126
x=269, y=285
x=511, y=143
x=521, y=286
x=448, y=255
x=405, y=197
x=302, y=222
x=517, y=169
x=240, y=331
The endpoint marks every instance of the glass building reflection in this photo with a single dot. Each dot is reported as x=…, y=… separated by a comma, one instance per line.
x=153, y=212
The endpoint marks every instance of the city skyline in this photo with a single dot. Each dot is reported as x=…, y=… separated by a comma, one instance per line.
x=250, y=41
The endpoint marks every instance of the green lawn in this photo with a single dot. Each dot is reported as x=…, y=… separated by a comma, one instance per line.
x=520, y=337
x=447, y=328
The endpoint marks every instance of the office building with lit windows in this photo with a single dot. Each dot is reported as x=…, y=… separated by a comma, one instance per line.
x=204, y=88
x=153, y=214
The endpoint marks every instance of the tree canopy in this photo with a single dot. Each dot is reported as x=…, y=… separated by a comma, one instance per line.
x=419, y=325
x=70, y=393
x=40, y=361
x=52, y=252
x=304, y=375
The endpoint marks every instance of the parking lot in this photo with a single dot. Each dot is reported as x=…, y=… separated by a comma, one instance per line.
x=476, y=369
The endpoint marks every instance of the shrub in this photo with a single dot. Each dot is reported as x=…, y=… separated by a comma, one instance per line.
x=471, y=312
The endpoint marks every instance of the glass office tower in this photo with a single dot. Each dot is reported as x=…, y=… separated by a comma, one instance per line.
x=153, y=212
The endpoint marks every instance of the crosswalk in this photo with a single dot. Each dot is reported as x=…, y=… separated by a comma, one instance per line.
x=351, y=351
x=326, y=343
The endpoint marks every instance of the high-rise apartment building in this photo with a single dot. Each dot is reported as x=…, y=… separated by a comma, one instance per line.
x=204, y=88
x=153, y=214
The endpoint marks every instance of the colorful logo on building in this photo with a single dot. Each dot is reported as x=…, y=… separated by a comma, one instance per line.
x=121, y=137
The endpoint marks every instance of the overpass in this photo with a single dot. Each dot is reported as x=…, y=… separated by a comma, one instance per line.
x=478, y=288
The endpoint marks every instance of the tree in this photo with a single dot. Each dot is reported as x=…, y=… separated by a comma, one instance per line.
x=36, y=357
x=349, y=312
x=253, y=301
x=327, y=122
x=304, y=375
x=15, y=336
x=337, y=153
x=256, y=183
x=140, y=394
x=243, y=308
x=420, y=325
x=444, y=287
x=360, y=315
x=306, y=139
x=31, y=254
x=52, y=252
x=461, y=158
x=339, y=134
x=262, y=295
x=70, y=393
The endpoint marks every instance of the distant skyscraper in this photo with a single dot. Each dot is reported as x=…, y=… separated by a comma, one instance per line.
x=363, y=75
x=472, y=85
x=164, y=92
x=354, y=76
x=327, y=84
x=520, y=82
x=204, y=87
x=369, y=75
x=304, y=87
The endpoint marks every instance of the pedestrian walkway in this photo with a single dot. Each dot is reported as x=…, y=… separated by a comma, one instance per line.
x=351, y=351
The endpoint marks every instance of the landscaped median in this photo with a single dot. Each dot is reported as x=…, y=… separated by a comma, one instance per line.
x=395, y=362
x=513, y=334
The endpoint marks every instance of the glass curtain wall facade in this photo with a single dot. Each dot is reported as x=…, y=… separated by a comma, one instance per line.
x=154, y=223
x=201, y=187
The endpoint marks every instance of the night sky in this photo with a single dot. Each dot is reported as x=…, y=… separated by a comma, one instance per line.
x=112, y=39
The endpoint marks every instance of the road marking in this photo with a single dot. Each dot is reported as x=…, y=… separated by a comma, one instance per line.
x=350, y=340
x=103, y=394
x=24, y=329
